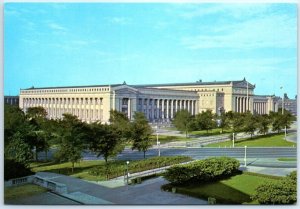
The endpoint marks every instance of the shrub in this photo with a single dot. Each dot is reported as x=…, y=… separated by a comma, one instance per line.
x=285, y=192
x=209, y=169
x=13, y=169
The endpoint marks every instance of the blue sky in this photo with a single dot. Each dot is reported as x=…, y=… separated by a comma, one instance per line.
x=62, y=44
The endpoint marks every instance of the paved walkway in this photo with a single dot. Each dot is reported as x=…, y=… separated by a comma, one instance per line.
x=117, y=192
x=148, y=192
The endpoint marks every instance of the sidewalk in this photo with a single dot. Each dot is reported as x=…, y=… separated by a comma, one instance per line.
x=148, y=192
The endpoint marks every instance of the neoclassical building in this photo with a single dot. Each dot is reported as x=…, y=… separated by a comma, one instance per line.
x=159, y=102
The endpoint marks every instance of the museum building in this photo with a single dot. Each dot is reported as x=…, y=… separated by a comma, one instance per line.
x=159, y=102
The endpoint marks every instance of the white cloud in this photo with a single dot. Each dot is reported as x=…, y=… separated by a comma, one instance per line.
x=233, y=10
x=275, y=31
x=57, y=27
x=119, y=20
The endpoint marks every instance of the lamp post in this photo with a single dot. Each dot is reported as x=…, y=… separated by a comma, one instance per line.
x=127, y=163
x=233, y=140
x=158, y=144
x=282, y=112
x=156, y=135
x=245, y=157
x=285, y=132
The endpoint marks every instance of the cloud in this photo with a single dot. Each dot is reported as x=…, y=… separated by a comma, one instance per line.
x=275, y=31
x=237, y=11
x=57, y=27
x=119, y=20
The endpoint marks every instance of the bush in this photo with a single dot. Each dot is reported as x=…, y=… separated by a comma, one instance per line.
x=210, y=169
x=13, y=169
x=285, y=192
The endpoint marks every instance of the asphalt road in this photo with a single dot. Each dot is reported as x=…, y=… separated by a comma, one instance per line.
x=200, y=153
x=260, y=156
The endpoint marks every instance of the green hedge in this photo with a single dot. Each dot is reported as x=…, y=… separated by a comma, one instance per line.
x=209, y=169
x=118, y=168
x=285, y=192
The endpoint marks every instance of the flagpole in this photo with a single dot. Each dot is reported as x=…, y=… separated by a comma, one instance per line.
x=247, y=98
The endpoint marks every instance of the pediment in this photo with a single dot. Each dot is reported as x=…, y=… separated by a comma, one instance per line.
x=243, y=84
x=124, y=89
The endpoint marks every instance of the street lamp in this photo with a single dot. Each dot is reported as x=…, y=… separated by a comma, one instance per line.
x=285, y=132
x=245, y=157
x=282, y=112
x=157, y=135
x=158, y=144
x=127, y=163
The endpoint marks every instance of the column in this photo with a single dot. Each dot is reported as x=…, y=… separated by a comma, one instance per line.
x=157, y=109
x=167, y=108
x=172, y=108
x=152, y=109
x=176, y=106
x=129, y=109
x=180, y=104
x=193, y=111
x=162, y=108
x=147, y=108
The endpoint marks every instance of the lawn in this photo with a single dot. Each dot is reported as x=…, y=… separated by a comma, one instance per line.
x=235, y=190
x=276, y=140
x=216, y=131
x=165, y=139
x=95, y=170
x=22, y=191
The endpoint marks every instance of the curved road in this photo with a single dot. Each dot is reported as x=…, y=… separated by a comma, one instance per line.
x=264, y=156
x=255, y=156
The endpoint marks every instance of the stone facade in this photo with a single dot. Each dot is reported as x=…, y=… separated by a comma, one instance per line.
x=158, y=102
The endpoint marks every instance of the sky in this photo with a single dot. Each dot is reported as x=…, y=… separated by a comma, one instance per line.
x=69, y=44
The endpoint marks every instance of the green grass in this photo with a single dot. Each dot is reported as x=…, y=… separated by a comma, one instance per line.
x=271, y=140
x=216, y=131
x=22, y=191
x=235, y=190
x=165, y=139
x=287, y=159
x=96, y=170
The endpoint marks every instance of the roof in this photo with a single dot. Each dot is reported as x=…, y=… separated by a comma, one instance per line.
x=198, y=83
x=65, y=87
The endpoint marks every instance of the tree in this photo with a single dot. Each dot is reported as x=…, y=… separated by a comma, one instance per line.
x=140, y=133
x=72, y=136
x=183, y=121
x=39, y=137
x=263, y=122
x=120, y=122
x=105, y=140
x=250, y=123
x=279, y=121
x=224, y=121
x=18, y=150
x=36, y=112
x=236, y=121
x=14, y=119
x=205, y=120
